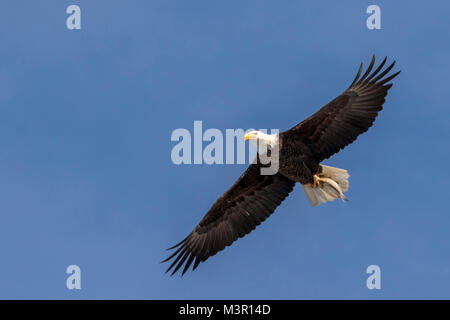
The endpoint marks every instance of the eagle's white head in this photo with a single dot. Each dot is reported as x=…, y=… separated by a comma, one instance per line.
x=257, y=137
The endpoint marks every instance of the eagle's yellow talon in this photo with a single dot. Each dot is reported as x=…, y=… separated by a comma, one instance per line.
x=316, y=181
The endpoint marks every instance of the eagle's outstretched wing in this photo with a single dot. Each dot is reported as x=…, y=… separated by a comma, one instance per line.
x=251, y=199
x=342, y=120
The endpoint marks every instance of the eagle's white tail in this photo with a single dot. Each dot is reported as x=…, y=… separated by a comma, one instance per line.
x=331, y=184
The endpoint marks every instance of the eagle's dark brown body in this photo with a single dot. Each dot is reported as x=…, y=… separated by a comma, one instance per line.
x=254, y=197
x=297, y=160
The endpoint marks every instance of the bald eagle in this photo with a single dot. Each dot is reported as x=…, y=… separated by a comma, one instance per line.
x=254, y=197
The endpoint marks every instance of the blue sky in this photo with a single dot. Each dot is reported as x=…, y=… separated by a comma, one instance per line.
x=85, y=171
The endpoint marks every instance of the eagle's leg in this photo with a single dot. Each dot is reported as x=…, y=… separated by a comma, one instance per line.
x=317, y=181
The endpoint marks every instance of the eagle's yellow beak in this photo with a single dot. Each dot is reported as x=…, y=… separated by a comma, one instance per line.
x=246, y=137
